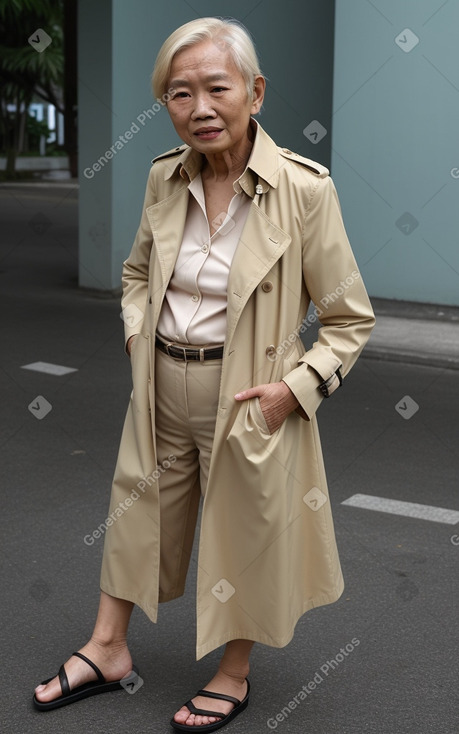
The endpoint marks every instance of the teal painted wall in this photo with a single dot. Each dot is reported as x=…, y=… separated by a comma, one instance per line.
x=395, y=153
x=118, y=43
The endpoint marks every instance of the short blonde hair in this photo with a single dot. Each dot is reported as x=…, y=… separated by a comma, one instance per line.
x=228, y=33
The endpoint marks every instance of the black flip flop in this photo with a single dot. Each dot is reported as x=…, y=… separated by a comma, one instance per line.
x=87, y=689
x=239, y=706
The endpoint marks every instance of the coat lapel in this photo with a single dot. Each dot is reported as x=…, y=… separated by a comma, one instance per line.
x=167, y=222
x=262, y=243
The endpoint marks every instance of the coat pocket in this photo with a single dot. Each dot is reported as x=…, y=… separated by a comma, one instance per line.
x=249, y=435
x=258, y=416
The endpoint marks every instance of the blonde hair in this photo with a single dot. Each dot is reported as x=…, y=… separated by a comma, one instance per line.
x=226, y=33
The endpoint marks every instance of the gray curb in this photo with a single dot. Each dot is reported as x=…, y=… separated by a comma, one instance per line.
x=383, y=354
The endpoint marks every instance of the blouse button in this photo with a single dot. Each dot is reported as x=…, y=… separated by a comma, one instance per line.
x=270, y=350
x=267, y=286
x=204, y=248
x=195, y=298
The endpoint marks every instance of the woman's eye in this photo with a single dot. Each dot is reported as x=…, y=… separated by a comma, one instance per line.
x=181, y=95
x=218, y=89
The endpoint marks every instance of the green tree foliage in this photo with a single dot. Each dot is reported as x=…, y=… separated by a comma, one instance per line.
x=26, y=73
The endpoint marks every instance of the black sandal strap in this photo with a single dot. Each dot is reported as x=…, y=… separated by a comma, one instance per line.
x=203, y=712
x=92, y=665
x=219, y=696
x=64, y=681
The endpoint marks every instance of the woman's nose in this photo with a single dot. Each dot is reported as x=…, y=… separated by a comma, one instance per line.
x=202, y=108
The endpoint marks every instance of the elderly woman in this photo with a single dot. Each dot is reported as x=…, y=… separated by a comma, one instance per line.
x=236, y=238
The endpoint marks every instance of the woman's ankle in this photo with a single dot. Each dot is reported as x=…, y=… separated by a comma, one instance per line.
x=108, y=644
x=235, y=662
x=237, y=673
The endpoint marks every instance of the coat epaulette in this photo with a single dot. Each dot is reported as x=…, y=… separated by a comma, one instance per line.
x=169, y=153
x=313, y=166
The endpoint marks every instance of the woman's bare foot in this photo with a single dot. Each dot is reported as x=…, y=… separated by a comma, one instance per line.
x=113, y=659
x=230, y=685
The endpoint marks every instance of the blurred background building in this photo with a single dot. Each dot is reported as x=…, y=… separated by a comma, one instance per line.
x=369, y=88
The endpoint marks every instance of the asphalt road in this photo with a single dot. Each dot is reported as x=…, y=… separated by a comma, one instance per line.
x=381, y=660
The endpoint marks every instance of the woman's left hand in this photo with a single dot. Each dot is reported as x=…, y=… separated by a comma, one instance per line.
x=276, y=402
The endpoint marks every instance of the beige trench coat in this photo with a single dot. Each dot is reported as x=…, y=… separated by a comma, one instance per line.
x=267, y=550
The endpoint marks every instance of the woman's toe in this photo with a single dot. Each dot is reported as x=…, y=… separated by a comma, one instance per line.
x=184, y=716
x=48, y=692
x=203, y=720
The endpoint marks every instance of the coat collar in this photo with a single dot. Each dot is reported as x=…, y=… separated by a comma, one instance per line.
x=262, y=167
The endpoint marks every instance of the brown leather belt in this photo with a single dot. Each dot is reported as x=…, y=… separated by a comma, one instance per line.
x=189, y=354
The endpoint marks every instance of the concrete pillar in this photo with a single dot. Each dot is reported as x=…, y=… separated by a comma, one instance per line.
x=97, y=219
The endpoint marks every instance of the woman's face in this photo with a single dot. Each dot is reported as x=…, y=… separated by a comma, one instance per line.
x=210, y=108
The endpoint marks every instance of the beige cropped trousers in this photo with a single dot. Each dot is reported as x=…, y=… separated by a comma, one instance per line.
x=186, y=401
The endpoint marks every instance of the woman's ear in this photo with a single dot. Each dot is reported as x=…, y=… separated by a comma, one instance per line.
x=259, y=86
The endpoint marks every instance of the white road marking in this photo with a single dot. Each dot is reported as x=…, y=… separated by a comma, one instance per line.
x=407, y=509
x=50, y=369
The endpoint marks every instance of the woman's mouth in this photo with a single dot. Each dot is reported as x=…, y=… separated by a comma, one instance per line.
x=208, y=133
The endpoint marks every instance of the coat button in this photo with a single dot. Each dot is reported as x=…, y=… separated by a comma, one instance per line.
x=267, y=286
x=286, y=150
x=270, y=350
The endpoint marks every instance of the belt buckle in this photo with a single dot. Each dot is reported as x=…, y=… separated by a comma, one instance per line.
x=201, y=354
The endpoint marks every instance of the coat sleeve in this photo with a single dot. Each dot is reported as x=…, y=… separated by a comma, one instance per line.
x=135, y=270
x=335, y=285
